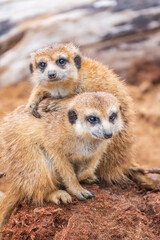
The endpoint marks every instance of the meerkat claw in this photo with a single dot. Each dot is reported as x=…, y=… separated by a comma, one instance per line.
x=2, y=174
x=98, y=180
x=33, y=110
x=92, y=195
x=36, y=114
x=56, y=109
x=52, y=107
x=49, y=107
x=82, y=198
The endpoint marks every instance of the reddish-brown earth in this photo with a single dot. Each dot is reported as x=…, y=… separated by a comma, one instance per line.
x=115, y=213
x=118, y=212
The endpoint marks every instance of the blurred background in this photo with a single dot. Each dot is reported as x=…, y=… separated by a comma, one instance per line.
x=120, y=33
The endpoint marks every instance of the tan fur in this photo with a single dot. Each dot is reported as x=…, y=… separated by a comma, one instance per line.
x=93, y=76
x=41, y=154
x=62, y=85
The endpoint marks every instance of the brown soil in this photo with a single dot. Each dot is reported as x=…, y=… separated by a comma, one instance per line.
x=117, y=212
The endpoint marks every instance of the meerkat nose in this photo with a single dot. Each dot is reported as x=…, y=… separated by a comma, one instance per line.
x=107, y=135
x=51, y=75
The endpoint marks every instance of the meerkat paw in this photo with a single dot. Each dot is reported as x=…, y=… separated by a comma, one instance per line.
x=54, y=106
x=33, y=110
x=92, y=178
x=59, y=196
x=83, y=194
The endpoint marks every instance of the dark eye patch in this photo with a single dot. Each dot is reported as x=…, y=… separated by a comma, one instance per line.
x=78, y=61
x=31, y=67
x=72, y=116
x=113, y=117
x=93, y=119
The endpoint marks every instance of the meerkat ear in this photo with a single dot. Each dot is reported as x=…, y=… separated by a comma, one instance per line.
x=120, y=108
x=78, y=61
x=31, y=67
x=72, y=116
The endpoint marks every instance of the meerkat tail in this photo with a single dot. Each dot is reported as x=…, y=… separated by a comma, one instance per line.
x=142, y=177
x=6, y=206
x=143, y=171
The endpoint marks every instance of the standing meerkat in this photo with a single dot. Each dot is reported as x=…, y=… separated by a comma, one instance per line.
x=61, y=72
x=62, y=147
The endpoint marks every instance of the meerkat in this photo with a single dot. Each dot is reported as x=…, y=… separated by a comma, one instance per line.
x=62, y=147
x=52, y=77
x=72, y=74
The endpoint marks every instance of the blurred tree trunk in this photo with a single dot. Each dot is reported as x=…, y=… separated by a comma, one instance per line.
x=115, y=32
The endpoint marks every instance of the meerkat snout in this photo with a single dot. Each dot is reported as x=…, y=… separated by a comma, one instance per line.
x=52, y=75
x=107, y=135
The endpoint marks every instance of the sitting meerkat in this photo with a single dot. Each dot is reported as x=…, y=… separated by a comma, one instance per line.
x=60, y=71
x=63, y=147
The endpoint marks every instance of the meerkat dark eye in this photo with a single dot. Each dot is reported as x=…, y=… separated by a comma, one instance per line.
x=113, y=117
x=42, y=65
x=61, y=61
x=93, y=120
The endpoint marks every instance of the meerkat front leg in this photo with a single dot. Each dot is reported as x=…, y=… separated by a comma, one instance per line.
x=36, y=97
x=70, y=180
x=87, y=174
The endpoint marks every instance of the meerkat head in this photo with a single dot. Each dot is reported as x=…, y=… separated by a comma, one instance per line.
x=57, y=62
x=95, y=115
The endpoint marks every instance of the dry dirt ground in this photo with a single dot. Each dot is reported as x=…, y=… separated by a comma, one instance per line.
x=115, y=213
x=118, y=212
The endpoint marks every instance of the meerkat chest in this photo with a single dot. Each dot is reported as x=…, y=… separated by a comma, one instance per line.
x=59, y=92
x=85, y=149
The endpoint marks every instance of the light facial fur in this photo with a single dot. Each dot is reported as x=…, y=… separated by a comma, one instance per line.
x=58, y=66
x=98, y=122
